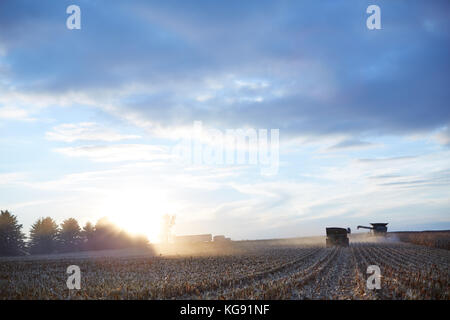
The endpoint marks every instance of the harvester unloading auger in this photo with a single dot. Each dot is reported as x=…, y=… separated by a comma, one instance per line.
x=378, y=229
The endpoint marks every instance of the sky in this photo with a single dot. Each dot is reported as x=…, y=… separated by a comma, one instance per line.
x=92, y=120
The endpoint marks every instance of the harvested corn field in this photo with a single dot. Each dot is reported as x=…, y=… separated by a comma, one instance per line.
x=260, y=272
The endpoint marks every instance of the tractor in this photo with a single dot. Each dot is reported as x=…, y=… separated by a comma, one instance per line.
x=337, y=237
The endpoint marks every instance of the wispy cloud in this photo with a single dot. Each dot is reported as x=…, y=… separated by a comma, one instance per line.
x=116, y=153
x=351, y=144
x=12, y=178
x=86, y=131
x=443, y=136
x=388, y=159
x=13, y=113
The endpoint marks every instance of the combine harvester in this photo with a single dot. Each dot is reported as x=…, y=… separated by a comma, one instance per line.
x=377, y=229
x=337, y=237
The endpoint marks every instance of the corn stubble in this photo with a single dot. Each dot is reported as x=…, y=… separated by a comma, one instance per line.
x=278, y=272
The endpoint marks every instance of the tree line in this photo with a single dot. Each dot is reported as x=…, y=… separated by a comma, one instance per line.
x=47, y=237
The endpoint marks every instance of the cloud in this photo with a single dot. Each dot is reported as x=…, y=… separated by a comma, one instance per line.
x=351, y=144
x=389, y=159
x=385, y=176
x=13, y=113
x=230, y=64
x=439, y=178
x=12, y=178
x=86, y=131
x=443, y=136
x=310, y=69
x=116, y=153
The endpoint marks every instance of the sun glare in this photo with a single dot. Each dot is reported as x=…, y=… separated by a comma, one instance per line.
x=136, y=210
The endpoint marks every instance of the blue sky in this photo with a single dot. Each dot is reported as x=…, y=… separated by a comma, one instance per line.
x=89, y=118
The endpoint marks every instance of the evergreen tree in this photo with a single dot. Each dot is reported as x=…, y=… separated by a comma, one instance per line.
x=70, y=235
x=11, y=236
x=44, y=236
x=88, y=236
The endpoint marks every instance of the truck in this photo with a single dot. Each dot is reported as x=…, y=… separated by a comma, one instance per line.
x=195, y=238
x=221, y=238
x=337, y=237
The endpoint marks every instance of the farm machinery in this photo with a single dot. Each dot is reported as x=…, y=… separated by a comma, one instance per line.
x=337, y=237
x=377, y=229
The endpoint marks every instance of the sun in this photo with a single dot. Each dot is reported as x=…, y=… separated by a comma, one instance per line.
x=137, y=210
